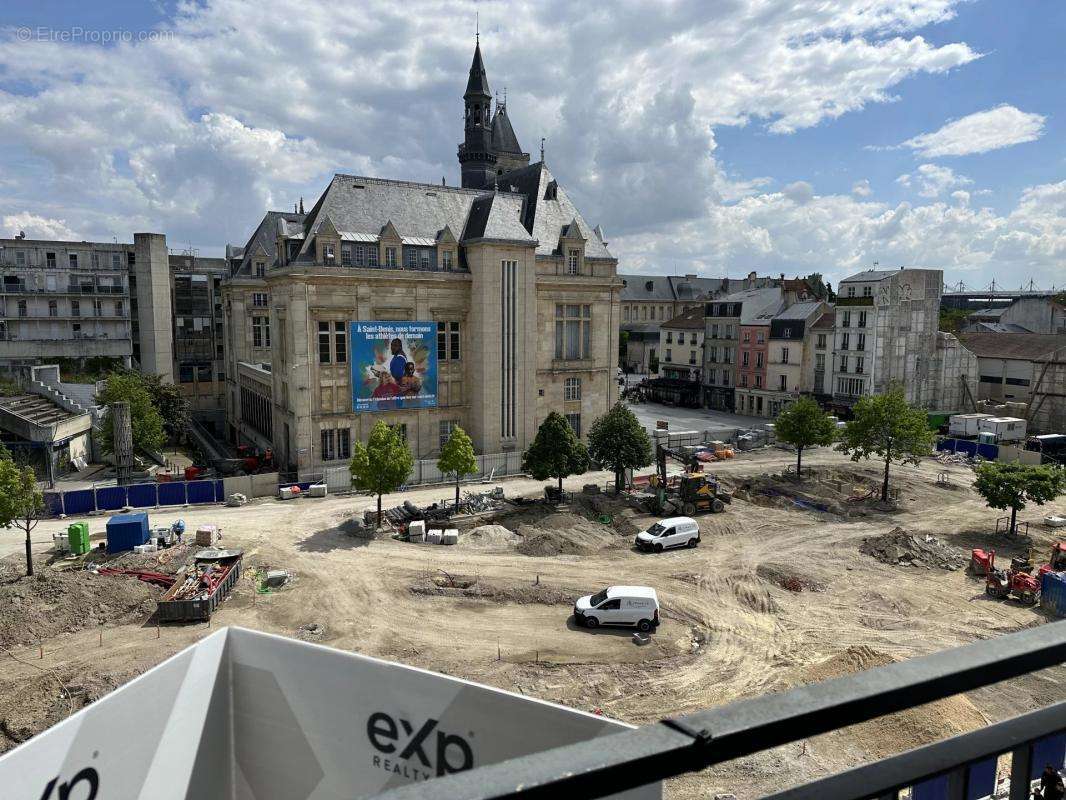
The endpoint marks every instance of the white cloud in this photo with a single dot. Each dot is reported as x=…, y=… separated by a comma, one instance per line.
x=932, y=180
x=36, y=227
x=1002, y=126
x=861, y=188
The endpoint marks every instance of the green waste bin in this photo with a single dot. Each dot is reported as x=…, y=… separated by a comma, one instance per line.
x=78, y=536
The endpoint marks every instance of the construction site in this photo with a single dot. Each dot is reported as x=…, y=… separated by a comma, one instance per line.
x=794, y=580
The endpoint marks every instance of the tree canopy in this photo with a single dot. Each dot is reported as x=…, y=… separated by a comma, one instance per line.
x=21, y=502
x=457, y=458
x=145, y=418
x=803, y=424
x=1012, y=486
x=383, y=464
x=556, y=451
x=886, y=427
x=619, y=442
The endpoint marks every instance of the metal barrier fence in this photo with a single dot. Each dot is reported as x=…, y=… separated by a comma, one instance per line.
x=960, y=768
x=424, y=472
x=137, y=495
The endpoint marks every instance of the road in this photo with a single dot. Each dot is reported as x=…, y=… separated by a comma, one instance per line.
x=692, y=419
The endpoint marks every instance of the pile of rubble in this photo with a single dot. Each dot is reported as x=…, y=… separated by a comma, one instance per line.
x=916, y=550
x=944, y=457
x=479, y=502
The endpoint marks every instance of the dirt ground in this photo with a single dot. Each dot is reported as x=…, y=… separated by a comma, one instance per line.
x=778, y=593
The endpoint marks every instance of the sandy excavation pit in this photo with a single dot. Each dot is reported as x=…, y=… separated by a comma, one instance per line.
x=772, y=591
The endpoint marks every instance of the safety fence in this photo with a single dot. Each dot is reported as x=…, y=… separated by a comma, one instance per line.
x=137, y=495
x=989, y=452
x=424, y=472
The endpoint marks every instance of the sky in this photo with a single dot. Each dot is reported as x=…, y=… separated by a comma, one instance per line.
x=712, y=137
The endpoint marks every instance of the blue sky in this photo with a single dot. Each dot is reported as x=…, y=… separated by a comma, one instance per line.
x=714, y=137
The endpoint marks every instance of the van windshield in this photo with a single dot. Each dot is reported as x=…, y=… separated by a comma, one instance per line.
x=596, y=599
x=656, y=529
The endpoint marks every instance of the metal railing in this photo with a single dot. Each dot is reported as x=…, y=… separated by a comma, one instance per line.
x=635, y=758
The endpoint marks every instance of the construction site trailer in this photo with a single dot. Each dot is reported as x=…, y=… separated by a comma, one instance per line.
x=246, y=714
x=126, y=531
x=1005, y=429
x=965, y=425
x=200, y=589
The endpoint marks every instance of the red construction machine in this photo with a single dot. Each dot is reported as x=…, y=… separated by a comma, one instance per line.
x=1057, y=562
x=1017, y=582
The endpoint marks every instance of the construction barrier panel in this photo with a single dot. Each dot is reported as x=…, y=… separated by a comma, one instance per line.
x=1053, y=593
x=172, y=494
x=1007, y=453
x=110, y=498
x=967, y=447
x=1051, y=750
x=53, y=501
x=200, y=491
x=247, y=714
x=81, y=501
x=142, y=495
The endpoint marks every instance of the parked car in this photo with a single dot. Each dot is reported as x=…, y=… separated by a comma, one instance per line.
x=672, y=532
x=635, y=606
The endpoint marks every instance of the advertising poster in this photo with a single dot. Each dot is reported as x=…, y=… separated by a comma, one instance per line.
x=394, y=365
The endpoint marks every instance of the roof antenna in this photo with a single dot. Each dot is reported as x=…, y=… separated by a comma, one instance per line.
x=477, y=27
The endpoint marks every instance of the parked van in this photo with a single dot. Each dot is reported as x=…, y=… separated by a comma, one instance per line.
x=636, y=606
x=672, y=532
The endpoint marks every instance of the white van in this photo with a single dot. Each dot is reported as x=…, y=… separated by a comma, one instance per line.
x=637, y=606
x=672, y=532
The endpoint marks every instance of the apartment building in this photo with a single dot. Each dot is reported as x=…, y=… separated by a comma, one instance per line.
x=85, y=300
x=681, y=345
x=886, y=333
x=650, y=300
x=790, y=356
x=425, y=306
x=818, y=341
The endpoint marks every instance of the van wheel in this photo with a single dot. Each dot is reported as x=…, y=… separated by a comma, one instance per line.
x=644, y=625
x=591, y=622
x=693, y=542
x=658, y=548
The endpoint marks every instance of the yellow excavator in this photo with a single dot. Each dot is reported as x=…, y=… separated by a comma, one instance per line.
x=693, y=492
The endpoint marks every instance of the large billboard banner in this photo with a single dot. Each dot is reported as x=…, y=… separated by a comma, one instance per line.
x=394, y=365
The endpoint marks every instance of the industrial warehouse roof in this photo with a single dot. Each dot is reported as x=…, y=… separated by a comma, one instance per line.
x=1019, y=346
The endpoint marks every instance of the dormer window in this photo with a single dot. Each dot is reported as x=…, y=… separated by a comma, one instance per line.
x=390, y=256
x=572, y=259
x=260, y=269
x=551, y=191
x=446, y=259
x=329, y=256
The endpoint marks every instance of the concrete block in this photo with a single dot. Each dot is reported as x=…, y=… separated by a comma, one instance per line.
x=317, y=490
x=275, y=578
x=416, y=531
x=286, y=493
x=641, y=639
x=434, y=536
x=450, y=536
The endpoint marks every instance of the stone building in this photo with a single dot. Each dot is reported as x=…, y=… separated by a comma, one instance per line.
x=681, y=345
x=791, y=355
x=886, y=334
x=520, y=292
x=85, y=300
x=650, y=300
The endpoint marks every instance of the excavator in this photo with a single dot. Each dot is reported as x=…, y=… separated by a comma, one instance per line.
x=693, y=492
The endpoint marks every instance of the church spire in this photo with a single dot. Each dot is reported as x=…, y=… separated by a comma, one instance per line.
x=478, y=84
x=476, y=157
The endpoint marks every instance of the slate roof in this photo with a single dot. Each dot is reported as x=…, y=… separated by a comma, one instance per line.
x=870, y=275
x=546, y=217
x=478, y=83
x=693, y=318
x=826, y=321
x=668, y=287
x=496, y=216
x=1019, y=346
x=265, y=236
x=997, y=327
x=800, y=310
x=758, y=306
x=503, y=135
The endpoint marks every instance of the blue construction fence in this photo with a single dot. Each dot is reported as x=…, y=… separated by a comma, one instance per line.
x=966, y=447
x=138, y=495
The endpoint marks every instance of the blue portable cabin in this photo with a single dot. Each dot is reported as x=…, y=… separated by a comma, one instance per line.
x=125, y=531
x=1053, y=593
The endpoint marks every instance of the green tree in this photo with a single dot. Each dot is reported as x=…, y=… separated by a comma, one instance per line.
x=1011, y=485
x=818, y=285
x=457, y=456
x=171, y=405
x=382, y=464
x=21, y=502
x=804, y=424
x=556, y=451
x=618, y=442
x=145, y=418
x=951, y=319
x=885, y=426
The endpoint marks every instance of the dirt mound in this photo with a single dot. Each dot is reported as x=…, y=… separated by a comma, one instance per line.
x=883, y=737
x=32, y=705
x=563, y=534
x=913, y=549
x=53, y=602
x=444, y=585
x=607, y=510
x=788, y=578
x=487, y=536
